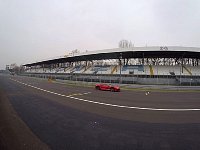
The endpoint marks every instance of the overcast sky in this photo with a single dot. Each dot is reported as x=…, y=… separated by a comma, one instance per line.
x=32, y=30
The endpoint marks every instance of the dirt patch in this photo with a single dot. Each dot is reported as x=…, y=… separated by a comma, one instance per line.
x=14, y=133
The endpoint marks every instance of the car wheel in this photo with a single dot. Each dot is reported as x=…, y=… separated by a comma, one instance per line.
x=112, y=90
x=97, y=88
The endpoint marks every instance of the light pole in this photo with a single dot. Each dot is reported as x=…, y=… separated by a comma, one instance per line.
x=190, y=82
x=120, y=65
x=180, y=73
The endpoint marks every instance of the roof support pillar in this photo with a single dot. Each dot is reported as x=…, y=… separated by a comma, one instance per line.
x=142, y=58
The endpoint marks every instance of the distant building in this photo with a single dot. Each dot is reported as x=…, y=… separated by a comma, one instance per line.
x=7, y=67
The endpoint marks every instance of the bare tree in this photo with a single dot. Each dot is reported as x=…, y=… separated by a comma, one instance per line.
x=125, y=44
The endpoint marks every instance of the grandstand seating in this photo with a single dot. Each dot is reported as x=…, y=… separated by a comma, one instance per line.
x=78, y=69
x=132, y=69
x=126, y=69
x=89, y=70
x=86, y=68
x=195, y=70
x=101, y=70
x=61, y=70
x=113, y=69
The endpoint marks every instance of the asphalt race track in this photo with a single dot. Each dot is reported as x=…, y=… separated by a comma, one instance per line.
x=80, y=117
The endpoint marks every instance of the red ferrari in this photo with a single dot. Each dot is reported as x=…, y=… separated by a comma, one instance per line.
x=106, y=87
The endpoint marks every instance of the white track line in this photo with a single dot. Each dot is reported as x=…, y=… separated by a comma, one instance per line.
x=107, y=104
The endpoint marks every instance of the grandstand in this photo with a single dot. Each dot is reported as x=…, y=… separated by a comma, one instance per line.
x=142, y=65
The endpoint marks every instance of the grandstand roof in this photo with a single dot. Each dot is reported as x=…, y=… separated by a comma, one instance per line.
x=133, y=52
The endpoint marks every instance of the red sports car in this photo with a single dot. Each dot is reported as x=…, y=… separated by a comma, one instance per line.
x=106, y=87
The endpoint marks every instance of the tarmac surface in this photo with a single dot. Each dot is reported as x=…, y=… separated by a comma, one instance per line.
x=62, y=116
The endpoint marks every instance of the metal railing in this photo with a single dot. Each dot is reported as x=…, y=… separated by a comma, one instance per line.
x=123, y=79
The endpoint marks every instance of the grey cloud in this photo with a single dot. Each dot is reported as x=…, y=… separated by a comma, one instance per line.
x=34, y=30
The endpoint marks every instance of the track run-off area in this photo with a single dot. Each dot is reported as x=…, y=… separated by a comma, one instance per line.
x=64, y=116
